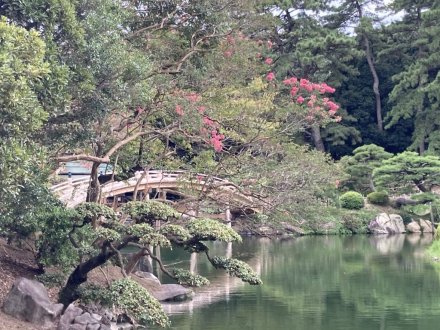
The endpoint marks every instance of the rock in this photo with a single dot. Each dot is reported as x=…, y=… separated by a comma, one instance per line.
x=69, y=316
x=105, y=327
x=85, y=318
x=78, y=327
x=148, y=276
x=28, y=300
x=265, y=230
x=292, y=229
x=413, y=227
x=387, y=224
x=95, y=326
x=97, y=317
x=426, y=226
x=124, y=326
x=172, y=292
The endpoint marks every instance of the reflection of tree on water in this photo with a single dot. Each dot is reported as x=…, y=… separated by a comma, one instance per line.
x=221, y=284
x=326, y=283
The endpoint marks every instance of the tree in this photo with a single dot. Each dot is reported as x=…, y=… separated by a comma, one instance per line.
x=349, y=12
x=91, y=235
x=408, y=173
x=415, y=94
x=305, y=47
x=23, y=166
x=361, y=165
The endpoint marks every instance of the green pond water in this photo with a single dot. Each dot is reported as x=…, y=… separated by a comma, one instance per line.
x=316, y=283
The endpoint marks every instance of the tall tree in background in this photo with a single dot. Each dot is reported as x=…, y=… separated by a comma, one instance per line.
x=416, y=93
x=354, y=13
x=304, y=47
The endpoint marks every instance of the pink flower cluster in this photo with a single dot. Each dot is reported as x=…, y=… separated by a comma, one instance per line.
x=210, y=127
x=217, y=140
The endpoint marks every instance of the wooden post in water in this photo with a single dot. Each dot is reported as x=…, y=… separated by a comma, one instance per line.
x=228, y=218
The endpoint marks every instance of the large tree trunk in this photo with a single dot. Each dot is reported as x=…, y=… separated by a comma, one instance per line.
x=317, y=138
x=69, y=293
x=370, y=60
x=94, y=191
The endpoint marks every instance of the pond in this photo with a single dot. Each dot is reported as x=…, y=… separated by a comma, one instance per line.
x=316, y=283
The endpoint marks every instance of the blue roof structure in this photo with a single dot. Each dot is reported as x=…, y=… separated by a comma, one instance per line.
x=81, y=167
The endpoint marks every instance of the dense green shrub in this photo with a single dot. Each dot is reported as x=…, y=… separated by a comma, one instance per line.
x=356, y=222
x=378, y=198
x=352, y=200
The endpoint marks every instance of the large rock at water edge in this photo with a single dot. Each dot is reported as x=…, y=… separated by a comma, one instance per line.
x=426, y=226
x=413, y=227
x=28, y=300
x=172, y=292
x=387, y=224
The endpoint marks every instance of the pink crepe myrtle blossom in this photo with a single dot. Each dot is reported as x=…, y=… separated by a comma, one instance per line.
x=228, y=53
x=332, y=106
x=300, y=100
x=268, y=61
x=324, y=88
x=179, y=110
x=290, y=81
x=270, y=76
x=294, y=91
x=208, y=121
x=269, y=44
x=193, y=97
x=216, y=140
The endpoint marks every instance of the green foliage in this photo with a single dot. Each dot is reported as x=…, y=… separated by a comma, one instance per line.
x=148, y=235
x=356, y=222
x=204, y=229
x=378, y=198
x=425, y=197
x=434, y=248
x=54, y=245
x=90, y=293
x=53, y=279
x=415, y=93
x=92, y=211
x=408, y=173
x=21, y=66
x=419, y=210
x=351, y=200
x=136, y=301
x=185, y=277
x=175, y=232
x=23, y=161
x=237, y=268
x=360, y=166
x=149, y=211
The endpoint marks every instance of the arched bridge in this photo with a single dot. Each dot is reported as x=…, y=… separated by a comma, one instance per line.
x=157, y=184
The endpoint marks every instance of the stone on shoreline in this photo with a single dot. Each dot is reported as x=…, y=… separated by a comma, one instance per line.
x=28, y=300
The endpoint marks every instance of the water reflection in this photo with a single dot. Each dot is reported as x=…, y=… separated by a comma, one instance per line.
x=358, y=282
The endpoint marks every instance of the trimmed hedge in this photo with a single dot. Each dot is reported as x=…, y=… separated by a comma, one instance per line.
x=351, y=200
x=378, y=198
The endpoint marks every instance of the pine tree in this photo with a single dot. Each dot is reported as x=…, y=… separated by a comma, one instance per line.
x=416, y=93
